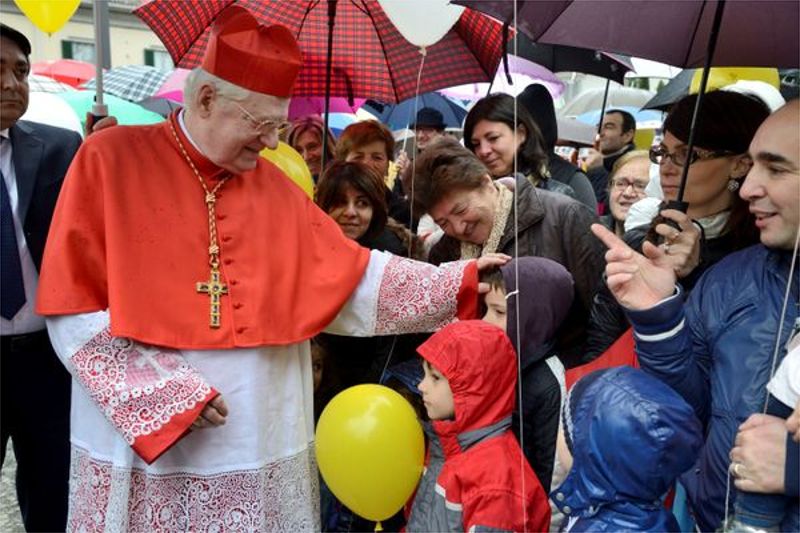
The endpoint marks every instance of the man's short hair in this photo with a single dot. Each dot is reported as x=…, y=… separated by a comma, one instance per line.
x=628, y=122
x=18, y=38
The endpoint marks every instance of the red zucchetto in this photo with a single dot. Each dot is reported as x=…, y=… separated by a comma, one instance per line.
x=264, y=59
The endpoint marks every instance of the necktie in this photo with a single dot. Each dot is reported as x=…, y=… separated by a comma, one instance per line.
x=12, y=287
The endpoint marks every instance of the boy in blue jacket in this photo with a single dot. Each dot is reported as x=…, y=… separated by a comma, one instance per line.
x=629, y=437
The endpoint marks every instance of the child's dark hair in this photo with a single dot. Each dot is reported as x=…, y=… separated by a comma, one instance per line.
x=494, y=277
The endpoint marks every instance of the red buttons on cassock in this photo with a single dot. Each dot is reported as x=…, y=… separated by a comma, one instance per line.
x=226, y=238
x=234, y=282
x=227, y=261
x=240, y=330
x=237, y=305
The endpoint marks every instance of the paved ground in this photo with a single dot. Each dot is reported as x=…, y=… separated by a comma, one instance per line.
x=10, y=520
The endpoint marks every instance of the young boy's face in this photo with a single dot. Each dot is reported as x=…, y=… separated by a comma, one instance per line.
x=436, y=393
x=317, y=364
x=496, y=308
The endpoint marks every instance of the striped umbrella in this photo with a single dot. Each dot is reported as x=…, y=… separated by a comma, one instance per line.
x=131, y=82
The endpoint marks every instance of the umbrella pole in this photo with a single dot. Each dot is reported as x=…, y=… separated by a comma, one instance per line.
x=603, y=107
x=328, y=72
x=99, y=109
x=712, y=44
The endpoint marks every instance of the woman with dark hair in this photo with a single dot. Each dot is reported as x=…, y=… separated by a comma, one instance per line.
x=717, y=221
x=371, y=143
x=492, y=133
x=305, y=136
x=354, y=195
x=475, y=213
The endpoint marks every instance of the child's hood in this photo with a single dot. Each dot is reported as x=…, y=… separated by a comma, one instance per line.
x=545, y=296
x=630, y=436
x=480, y=364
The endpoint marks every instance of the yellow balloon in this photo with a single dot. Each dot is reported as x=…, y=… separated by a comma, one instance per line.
x=292, y=164
x=48, y=15
x=370, y=450
x=719, y=77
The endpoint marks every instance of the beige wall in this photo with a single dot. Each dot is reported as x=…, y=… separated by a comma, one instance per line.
x=128, y=41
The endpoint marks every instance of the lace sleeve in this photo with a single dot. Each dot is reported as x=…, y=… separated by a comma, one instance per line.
x=151, y=395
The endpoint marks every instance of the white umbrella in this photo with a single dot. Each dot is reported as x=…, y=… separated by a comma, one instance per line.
x=592, y=100
x=47, y=108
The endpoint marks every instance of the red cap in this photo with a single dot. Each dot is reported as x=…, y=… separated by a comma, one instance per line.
x=264, y=59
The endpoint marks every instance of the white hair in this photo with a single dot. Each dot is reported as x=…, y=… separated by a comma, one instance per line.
x=199, y=77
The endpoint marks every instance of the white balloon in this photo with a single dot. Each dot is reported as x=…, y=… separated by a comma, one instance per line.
x=422, y=22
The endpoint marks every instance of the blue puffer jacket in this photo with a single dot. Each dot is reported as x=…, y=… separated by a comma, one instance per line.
x=716, y=352
x=630, y=436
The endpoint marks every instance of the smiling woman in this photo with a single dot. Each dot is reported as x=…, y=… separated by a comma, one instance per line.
x=476, y=215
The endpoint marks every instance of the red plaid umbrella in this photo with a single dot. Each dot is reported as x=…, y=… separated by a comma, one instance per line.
x=371, y=59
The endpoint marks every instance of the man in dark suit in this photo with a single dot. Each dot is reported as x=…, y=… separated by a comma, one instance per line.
x=35, y=388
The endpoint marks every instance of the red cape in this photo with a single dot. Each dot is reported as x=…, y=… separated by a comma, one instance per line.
x=130, y=234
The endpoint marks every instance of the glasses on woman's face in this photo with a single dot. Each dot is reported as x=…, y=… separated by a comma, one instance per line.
x=263, y=127
x=681, y=156
x=621, y=184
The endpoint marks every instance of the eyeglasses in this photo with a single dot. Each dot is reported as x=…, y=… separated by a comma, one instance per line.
x=620, y=184
x=263, y=127
x=680, y=156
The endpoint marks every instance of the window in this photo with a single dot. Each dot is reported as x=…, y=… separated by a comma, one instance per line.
x=82, y=50
x=158, y=58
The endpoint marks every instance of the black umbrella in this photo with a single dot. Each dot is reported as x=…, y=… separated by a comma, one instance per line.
x=677, y=88
x=558, y=58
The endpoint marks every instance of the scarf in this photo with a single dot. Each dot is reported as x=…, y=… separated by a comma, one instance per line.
x=505, y=200
x=714, y=225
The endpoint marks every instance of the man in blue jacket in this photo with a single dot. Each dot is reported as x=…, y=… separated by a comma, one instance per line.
x=716, y=350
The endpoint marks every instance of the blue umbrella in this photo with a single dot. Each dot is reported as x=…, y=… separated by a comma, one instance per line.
x=398, y=116
x=640, y=115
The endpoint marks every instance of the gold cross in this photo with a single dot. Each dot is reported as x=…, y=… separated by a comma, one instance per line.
x=215, y=289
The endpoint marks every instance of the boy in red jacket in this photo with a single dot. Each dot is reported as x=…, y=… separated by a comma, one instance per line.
x=476, y=477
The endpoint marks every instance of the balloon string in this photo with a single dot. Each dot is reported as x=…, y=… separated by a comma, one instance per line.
x=516, y=302
x=424, y=52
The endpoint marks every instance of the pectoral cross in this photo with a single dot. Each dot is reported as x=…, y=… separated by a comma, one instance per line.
x=214, y=288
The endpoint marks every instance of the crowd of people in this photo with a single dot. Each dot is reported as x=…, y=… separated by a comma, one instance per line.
x=204, y=311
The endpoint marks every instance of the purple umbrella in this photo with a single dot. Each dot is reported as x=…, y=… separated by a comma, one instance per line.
x=677, y=32
x=523, y=73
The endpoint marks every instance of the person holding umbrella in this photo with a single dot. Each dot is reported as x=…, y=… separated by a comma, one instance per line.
x=182, y=281
x=717, y=222
x=718, y=350
x=35, y=387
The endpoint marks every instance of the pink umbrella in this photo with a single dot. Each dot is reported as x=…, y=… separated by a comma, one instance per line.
x=315, y=105
x=173, y=85
x=523, y=73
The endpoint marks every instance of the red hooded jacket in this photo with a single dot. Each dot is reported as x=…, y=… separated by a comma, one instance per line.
x=476, y=477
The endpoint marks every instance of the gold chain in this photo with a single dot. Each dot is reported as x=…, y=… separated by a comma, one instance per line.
x=210, y=199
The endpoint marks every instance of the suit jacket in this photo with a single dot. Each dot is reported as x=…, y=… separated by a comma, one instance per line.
x=41, y=154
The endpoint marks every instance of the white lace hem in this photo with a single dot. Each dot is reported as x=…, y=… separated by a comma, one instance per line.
x=280, y=496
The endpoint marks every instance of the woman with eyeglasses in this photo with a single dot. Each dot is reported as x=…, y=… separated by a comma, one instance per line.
x=717, y=221
x=626, y=185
